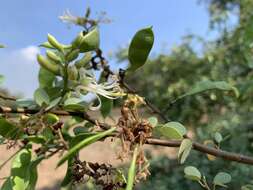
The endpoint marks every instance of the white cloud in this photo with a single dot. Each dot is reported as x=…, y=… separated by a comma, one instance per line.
x=20, y=69
x=29, y=53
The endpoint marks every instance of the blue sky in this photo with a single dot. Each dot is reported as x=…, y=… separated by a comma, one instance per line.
x=25, y=24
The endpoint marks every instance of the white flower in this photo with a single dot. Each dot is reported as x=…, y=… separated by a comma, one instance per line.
x=69, y=18
x=110, y=90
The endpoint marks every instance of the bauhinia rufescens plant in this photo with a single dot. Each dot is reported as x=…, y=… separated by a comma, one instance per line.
x=59, y=119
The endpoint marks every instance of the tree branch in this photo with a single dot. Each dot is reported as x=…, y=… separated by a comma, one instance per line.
x=205, y=149
x=84, y=115
x=152, y=141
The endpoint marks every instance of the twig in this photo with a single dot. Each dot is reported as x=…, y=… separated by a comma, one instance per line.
x=168, y=143
x=205, y=149
x=66, y=146
x=84, y=115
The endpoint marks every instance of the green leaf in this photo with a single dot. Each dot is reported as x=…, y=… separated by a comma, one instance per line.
x=106, y=106
x=41, y=97
x=211, y=85
x=46, y=78
x=2, y=46
x=140, y=47
x=90, y=41
x=79, y=137
x=184, y=150
x=1, y=79
x=218, y=137
x=84, y=60
x=8, y=130
x=153, y=121
x=172, y=130
x=221, y=179
x=23, y=172
x=80, y=129
x=26, y=103
x=83, y=144
x=47, y=134
x=72, y=101
x=67, y=181
x=71, y=122
x=75, y=104
x=7, y=185
x=51, y=119
x=53, y=103
x=192, y=173
x=37, y=139
x=54, y=94
x=131, y=171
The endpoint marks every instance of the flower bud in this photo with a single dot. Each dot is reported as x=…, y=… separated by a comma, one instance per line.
x=51, y=39
x=84, y=60
x=47, y=45
x=53, y=56
x=72, y=55
x=48, y=65
x=72, y=73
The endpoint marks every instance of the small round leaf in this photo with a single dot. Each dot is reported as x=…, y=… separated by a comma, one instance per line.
x=221, y=179
x=192, y=173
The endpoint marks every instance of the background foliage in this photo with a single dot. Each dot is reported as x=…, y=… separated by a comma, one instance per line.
x=229, y=58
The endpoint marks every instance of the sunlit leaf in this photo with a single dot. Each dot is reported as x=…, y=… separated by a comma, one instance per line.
x=38, y=139
x=184, y=150
x=131, y=171
x=106, y=106
x=140, y=47
x=28, y=103
x=192, y=173
x=218, y=137
x=53, y=103
x=75, y=104
x=51, y=118
x=46, y=78
x=90, y=41
x=172, y=130
x=9, y=130
x=153, y=121
x=221, y=179
x=23, y=172
x=41, y=97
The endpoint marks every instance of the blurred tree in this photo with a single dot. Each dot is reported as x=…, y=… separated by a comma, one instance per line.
x=228, y=57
